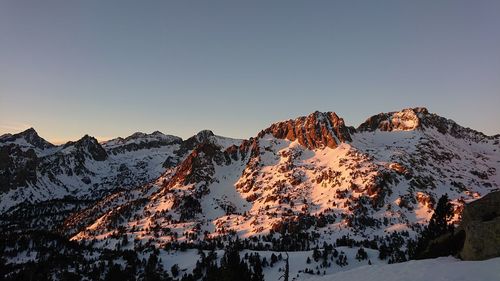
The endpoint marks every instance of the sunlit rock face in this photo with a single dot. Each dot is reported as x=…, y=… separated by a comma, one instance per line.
x=33, y=170
x=311, y=174
x=404, y=120
x=317, y=130
x=419, y=118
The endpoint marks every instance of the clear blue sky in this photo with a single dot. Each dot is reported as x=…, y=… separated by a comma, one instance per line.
x=110, y=68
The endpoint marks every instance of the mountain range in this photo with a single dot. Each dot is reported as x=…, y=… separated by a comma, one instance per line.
x=296, y=185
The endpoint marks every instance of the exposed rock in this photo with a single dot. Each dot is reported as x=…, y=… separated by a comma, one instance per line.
x=198, y=166
x=191, y=143
x=317, y=130
x=481, y=223
x=404, y=120
x=30, y=136
x=365, y=186
x=419, y=118
x=17, y=167
x=90, y=147
x=138, y=141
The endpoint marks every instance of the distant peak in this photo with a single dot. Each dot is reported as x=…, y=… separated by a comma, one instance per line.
x=88, y=138
x=30, y=130
x=31, y=137
x=204, y=134
x=89, y=145
x=419, y=118
x=139, y=140
x=136, y=135
x=141, y=135
x=82, y=142
x=157, y=133
x=316, y=130
x=407, y=119
x=422, y=110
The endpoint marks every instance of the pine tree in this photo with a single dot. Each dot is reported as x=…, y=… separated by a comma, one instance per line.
x=316, y=254
x=274, y=259
x=257, y=270
x=438, y=225
x=175, y=270
x=231, y=269
x=153, y=270
x=286, y=270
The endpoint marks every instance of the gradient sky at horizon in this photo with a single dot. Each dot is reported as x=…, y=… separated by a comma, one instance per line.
x=111, y=68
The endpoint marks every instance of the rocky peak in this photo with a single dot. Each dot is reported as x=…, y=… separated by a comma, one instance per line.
x=89, y=146
x=317, y=130
x=155, y=136
x=30, y=136
x=204, y=136
x=140, y=140
x=17, y=167
x=407, y=119
x=158, y=133
x=137, y=135
x=5, y=136
x=198, y=166
x=419, y=118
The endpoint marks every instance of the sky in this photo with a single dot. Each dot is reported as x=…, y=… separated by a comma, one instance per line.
x=111, y=68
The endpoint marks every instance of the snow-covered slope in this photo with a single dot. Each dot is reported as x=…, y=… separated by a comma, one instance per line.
x=311, y=186
x=28, y=139
x=310, y=176
x=35, y=170
x=443, y=269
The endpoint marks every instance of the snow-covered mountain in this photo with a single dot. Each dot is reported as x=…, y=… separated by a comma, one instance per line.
x=326, y=192
x=312, y=175
x=33, y=170
x=26, y=140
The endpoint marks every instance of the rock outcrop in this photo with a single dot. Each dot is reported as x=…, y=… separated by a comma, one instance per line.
x=481, y=223
x=17, y=167
x=29, y=136
x=90, y=147
x=191, y=143
x=419, y=118
x=138, y=141
x=404, y=120
x=317, y=130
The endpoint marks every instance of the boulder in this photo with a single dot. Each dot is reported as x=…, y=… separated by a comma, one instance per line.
x=481, y=223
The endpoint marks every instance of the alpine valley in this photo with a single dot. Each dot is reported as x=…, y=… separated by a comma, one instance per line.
x=304, y=197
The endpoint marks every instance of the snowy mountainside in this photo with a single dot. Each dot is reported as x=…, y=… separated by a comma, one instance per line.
x=26, y=140
x=340, y=201
x=311, y=180
x=35, y=171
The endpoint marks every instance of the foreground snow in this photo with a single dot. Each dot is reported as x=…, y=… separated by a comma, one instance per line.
x=441, y=269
